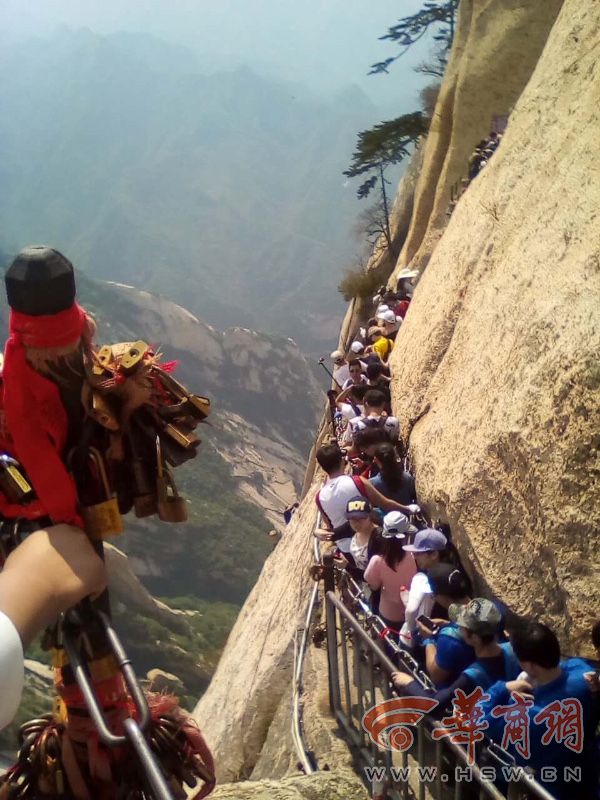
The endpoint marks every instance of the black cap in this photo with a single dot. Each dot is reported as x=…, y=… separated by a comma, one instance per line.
x=40, y=281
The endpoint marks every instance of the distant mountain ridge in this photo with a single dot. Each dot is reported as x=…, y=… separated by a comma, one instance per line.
x=222, y=191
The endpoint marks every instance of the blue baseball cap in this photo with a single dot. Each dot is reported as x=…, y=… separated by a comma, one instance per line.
x=427, y=540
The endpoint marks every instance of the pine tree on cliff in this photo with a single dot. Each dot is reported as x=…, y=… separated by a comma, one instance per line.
x=389, y=142
x=385, y=144
x=439, y=15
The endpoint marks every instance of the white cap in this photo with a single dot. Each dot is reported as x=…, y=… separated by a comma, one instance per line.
x=357, y=347
x=395, y=525
x=381, y=310
x=407, y=274
x=388, y=316
x=336, y=355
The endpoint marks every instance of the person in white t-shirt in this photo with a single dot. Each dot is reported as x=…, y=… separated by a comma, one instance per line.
x=420, y=601
x=341, y=373
x=48, y=573
x=332, y=499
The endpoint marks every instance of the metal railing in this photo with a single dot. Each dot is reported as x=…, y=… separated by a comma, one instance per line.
x=305, y=756
x=360, y=678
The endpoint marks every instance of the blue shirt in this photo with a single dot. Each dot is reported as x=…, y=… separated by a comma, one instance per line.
x=489, y=670
x=453, y=654
x=404, y=494
x=570, y=684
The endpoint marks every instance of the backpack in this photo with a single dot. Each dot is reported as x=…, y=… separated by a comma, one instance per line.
x=371, y=422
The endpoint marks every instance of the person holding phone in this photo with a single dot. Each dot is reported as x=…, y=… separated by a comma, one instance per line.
x=478, y=625
x=365, y=541
x=446, y=652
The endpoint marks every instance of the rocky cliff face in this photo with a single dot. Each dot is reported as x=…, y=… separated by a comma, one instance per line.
x=496, y=48
x=254, y=674
x=498, y=354
x=499, y=349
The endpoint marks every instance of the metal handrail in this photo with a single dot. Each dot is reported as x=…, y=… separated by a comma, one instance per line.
x=133, y=729
x=305, y=757
x=381, y=629
x=368, y=753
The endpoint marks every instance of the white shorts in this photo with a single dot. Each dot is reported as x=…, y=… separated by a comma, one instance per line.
x=11, y=670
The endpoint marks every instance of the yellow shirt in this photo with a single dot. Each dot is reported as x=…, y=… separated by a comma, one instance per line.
x=383, y=348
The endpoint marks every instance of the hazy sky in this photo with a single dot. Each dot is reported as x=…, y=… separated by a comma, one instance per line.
x=321, y=42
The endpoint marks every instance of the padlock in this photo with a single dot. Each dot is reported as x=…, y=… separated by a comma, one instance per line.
x=103, y=359
x=197, y=405
x=177, y=390
x=171, y=506
x=186, y=440
x=102, y=519
x=13, y=483
x=103, y=412
x=133, y=357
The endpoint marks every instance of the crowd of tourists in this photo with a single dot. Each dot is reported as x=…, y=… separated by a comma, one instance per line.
x=482, y=154
x=412, y=573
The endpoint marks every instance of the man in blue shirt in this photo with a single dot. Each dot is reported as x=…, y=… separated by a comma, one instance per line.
x=561, y=715
x=478, y=624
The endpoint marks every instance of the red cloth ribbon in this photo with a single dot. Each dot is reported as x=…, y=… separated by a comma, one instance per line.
x=387, y=631
x=48, y=330
x=35, y=416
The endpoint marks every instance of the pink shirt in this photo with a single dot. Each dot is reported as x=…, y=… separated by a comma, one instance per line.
x=379, y=576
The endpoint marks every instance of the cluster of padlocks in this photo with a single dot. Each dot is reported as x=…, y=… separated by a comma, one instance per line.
x=145, y=423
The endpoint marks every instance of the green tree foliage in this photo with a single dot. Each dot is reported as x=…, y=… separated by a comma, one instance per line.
x=386, y=143
x=438, y=15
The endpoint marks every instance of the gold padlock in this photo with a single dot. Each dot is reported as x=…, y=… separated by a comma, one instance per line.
x=103, y=359
x=103, y=412
x=186, y=440
x=171, y=506
x=102, y=519
x=173, y=386
x=133, y=357
x=197, y=406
